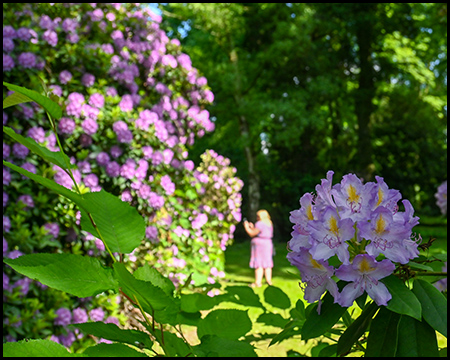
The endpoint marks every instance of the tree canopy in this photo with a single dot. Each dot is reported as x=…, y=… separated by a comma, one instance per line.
x=305, y=88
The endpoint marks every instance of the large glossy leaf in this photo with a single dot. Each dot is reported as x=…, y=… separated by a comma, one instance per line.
x=192, y=303
x=121, y=225
x=114, y=333
x=383, y=334
x=51, y=107
x=36, y=348
x=315, y=324
x=49, y=184
x=15, y=99
x=227, y=323
x=403, y=300
x=150, y=274
x=112, y=350
x=416, y=339
x=243, y=295
x=152, y=298
x=214, y=346
x=276, y=297
x=272, y=320
x=356, y=329
x=434, y=305
x=78, y=275
x=55, y=157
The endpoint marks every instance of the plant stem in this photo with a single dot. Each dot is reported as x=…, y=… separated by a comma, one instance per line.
x=142, y=310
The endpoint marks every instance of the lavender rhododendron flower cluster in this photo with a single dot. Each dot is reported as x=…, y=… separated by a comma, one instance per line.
x=441, y=197
x=358, y=226
x=132, y=104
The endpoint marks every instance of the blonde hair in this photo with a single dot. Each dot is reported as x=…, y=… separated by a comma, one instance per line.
x=264, y=216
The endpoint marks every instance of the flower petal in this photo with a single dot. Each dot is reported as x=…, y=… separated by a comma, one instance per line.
x=349, y=293
x=379, y=293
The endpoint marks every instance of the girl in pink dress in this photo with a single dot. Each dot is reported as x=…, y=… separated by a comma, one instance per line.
x=261, y=247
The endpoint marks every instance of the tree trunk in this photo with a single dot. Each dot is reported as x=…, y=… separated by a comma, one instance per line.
x=253, y=178
x=365, y=94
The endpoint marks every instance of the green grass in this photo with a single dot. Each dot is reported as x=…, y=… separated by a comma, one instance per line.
x=285, y=277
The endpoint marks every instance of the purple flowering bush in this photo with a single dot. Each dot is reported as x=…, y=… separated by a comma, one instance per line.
x=355, y=232
x=133, y=103
x=190, y=233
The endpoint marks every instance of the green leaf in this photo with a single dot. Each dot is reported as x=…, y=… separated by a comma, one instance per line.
x=36, y=348
x=78, y=275
x=272, y=320
x=192, y=303
x=191, y=194
x=214, y=346
x=150, y=274
x=151, y=298
x=50, y=184
x=114, y=333
x=112, y=350
x=51, y=107
x=228, y=323
x=434, y=305
x=185, y=223
x=121, y=225
x=328, y=351
x=414, y=265
x=54, y=157
x=291, y=329
x=403, y=300
x=174, y=345
x=298, y=312
x=315, y=324
x=416, y=339
x=383, y=334
x=356, y=329
x=243, y=295
x=15, y=99
x=276, y=297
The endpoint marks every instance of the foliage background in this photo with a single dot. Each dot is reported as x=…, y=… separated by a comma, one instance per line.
x=310, y=87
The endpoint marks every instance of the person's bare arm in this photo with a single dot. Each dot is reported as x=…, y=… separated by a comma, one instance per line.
x=251, y=229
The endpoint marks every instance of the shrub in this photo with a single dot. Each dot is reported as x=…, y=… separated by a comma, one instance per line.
x=133, y=103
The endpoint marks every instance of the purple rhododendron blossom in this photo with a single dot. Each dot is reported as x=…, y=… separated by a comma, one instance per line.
x=386, y=235
x=80, y=316
x=329, y=235
x=167, y=185
x=65, y=76
x=66, y=126
x=53, y=229
x=27, y=60
x=20, y=151
x=441, y=197
x=316, y=275
x=364, y=274
x=356, y=223
x=97, y=314
x=64, y=317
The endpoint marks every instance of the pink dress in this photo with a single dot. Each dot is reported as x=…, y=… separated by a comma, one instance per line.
x=262, y=247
